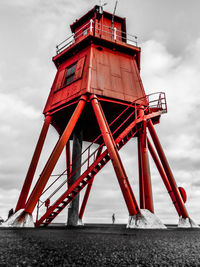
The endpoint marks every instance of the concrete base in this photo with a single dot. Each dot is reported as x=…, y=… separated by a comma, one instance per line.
x=186, y=223
x=80, y=223
x=147, y=220
x=19, y=219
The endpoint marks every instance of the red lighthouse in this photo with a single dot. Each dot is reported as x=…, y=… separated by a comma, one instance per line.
x=98, y=96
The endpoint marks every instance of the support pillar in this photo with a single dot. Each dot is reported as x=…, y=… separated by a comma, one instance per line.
x=33, y=165
x=141, y=180
x=167, y=170
x=145, y=170
x=76, y=163
x=39, y=187
x=129, y=197
x=163, y=176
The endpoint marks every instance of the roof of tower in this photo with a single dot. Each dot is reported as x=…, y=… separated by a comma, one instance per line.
x=90, y=14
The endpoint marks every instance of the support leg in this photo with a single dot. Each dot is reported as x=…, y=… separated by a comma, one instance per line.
x=33, y=165
x=144, y=161
x=167, y=170
x=38, y=189
x=76, y=163
x=163, y=176
x=115, y=158
x=146, y=170
x=141, y=181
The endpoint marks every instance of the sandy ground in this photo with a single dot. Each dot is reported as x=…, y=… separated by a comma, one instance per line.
x=99, y=246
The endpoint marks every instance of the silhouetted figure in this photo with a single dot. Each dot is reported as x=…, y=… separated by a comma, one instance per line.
x=10, y=213
x=113, y=218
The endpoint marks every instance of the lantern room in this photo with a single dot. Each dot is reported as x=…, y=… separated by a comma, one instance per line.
x=99, y=58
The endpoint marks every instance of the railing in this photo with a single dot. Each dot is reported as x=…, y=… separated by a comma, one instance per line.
x=155, y=101
x=93, y=28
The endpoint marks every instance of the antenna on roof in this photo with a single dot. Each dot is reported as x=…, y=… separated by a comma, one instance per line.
x=113, y=15
x=101, y=6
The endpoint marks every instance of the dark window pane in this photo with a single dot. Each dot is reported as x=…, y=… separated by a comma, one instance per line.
x=70, y=74
x=71, y=70
x=69, y=79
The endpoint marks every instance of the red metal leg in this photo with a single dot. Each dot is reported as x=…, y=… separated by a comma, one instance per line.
x=38, y=189
x=68, y=162
x=146, y=170
x=167, y=170
x=163, y=175
x=115, y=158
x=88, y=189
x=145, y=184
x=141, y=181
x=33, y=165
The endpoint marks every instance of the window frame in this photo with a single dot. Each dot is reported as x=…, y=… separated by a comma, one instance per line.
x=77, y=74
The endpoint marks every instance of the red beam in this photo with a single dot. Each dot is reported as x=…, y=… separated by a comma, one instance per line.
x=146, y=170
x=115, y=158
x=141, y=180
x=33, y=165
x=167, y=170
x=39, y=187
x=163, y=175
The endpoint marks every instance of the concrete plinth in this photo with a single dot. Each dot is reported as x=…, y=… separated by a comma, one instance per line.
x=147, y=220
x=186, y=223
x=19, y=219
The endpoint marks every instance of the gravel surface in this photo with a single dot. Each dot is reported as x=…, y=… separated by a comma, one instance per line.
x=99, y=246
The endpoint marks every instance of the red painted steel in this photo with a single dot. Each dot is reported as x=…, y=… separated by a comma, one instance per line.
x=146, y=176
x=33, y=165
x=163, y=176
x=167, y=169
x=94, y=167
x=183, y=194
x=116, y=161
x=141, y=181
x=86, y=177
x=35, y=195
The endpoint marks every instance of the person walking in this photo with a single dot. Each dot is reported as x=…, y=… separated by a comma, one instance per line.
x=113, y=218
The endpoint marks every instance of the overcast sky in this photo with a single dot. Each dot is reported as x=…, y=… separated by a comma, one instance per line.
x=169, y=35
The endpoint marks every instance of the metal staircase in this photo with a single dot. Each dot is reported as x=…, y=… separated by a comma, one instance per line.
x=96, y=160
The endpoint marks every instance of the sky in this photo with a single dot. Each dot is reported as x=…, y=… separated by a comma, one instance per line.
x=169, y=36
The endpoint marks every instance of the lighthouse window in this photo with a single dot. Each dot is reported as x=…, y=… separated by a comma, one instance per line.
x=69, y=78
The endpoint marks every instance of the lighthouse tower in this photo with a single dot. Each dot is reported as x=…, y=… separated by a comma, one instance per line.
x=98, y=96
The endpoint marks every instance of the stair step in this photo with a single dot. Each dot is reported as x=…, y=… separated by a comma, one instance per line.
x=93, y=172
x=102, y=162
x=107, y=157
x=98, y=167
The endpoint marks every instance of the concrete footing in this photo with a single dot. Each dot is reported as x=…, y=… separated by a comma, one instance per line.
x=146, y=220
x=19, y=219
x=80, y=223
x=187, y=223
